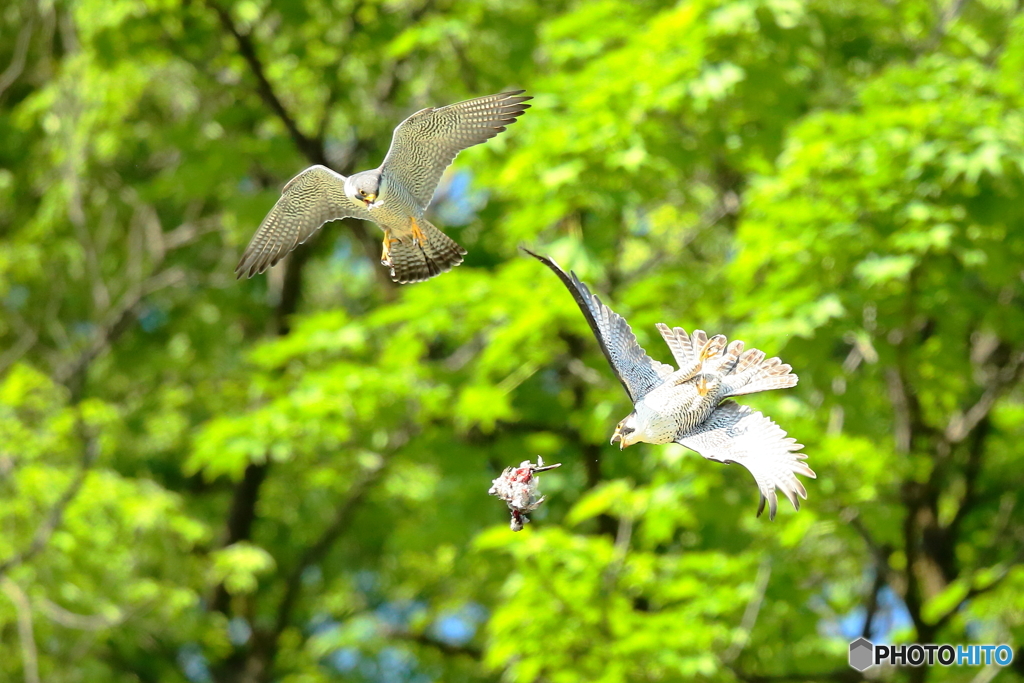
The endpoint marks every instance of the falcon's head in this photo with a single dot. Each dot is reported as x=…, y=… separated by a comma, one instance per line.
x=628, y=432
x=647, y=425
x=363, y=187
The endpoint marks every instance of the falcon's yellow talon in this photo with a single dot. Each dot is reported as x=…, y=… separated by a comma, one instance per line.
x=417, y=234
x=702, y=385
x=385, y=255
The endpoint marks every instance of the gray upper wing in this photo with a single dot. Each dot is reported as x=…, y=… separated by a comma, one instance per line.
x=738, y=434
x=426, y=143
x=310, y=199
x=637, y=371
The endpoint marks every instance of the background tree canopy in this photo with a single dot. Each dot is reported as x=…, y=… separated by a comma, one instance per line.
x=284, y=478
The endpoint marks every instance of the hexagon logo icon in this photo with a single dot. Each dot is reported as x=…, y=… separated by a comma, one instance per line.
x=862, y=654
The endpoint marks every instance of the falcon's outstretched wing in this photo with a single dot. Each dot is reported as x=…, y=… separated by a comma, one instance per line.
x=428, y=141
x=735, y=433
x=310, y=199
x=637, y=371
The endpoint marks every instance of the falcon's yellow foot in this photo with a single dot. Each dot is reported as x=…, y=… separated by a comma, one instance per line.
x=417, y=234
x=702, y=385
x=385, y=255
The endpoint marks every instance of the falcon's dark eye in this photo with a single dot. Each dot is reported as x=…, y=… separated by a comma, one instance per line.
x=627, y=430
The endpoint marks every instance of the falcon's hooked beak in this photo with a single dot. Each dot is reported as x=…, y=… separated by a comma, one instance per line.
x=621, y=435
x=368, y=200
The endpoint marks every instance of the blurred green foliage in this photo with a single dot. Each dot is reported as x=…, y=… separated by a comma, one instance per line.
x=284, y=478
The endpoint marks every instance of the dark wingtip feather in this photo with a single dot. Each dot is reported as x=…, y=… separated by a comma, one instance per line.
x=586, y=301
x=543, y=259
x=246, y=267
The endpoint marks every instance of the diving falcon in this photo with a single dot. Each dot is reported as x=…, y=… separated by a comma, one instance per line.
x=687, y=405
x=395, y=195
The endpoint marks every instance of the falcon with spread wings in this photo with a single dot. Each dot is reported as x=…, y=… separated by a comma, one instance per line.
x=394, y=196
x=688, y=406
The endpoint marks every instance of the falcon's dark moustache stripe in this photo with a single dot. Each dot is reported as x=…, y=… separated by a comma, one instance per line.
x=583, y=297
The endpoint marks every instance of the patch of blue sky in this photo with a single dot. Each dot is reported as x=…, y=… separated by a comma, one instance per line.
x=456, y=202
x=457, y=627
x=398, y=613
x=239, y=631
x=344, y=659
x=194, y=664
x=152, y=319
x=17, y=296
x=890, y=618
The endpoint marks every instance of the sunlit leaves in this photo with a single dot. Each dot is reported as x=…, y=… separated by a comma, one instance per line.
x=836, y=183
x=238, y=566
x=651, y=612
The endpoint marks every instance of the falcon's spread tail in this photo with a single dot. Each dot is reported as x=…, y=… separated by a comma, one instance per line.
x=417, y=260
x=760, y=375
x=743, y=372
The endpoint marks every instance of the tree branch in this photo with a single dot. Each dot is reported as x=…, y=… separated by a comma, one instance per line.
x=118, y=322
x=343, y=515
x=975, y=590
x=941, y=27
x=879, y=552
x=25, y=341
x=912, y=595
x=872, y=609
x=900, y=400
x=312, y=148
x=961, y=425
x=21, y=45
x=240, y=520
x=880, y=556
x=26, y=637
x=972, y=471
x=55, y=517
x=750, y=614
x=444, y=648
x=81, y=622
